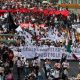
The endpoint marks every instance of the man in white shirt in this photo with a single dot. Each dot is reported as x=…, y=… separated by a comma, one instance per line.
x=65, y=70
x=26, y=68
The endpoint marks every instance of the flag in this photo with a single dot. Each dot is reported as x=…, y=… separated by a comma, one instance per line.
x=63, y=58
x=9, y=23
x=18, y=29
x=68, y=47
x=75, y=57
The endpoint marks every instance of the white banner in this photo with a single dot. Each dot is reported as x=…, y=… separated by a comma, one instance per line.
x=44, y=52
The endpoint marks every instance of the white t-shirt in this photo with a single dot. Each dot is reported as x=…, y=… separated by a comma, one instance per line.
x=19, y=63
x=56, y=73
x=65, y=64
x=26, y=64
x=47, y=66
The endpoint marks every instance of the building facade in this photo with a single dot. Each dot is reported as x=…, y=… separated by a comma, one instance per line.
x=69, y=1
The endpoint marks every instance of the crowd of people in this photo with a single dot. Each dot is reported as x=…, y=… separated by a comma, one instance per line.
x=29, y=69
x=44, y=29
x=40, y=29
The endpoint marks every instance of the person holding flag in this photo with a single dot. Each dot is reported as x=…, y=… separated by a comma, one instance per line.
x=64, y=67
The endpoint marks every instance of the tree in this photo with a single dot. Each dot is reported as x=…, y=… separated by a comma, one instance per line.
x=54, y=1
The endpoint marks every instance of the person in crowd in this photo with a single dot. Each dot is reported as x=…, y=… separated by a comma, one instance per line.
x=43, y=29
x=23, y=62
x=78, y=76
x=6, y=67
x=9, y=76
x=31, y=68
x=1, y=70
x=19, y=66
x=32, y=76
x=36, y=66
x=5, y=54
x=65, y=66
x=57, y=67
x=47, y=67
x=10, y=56
x=26, y=68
